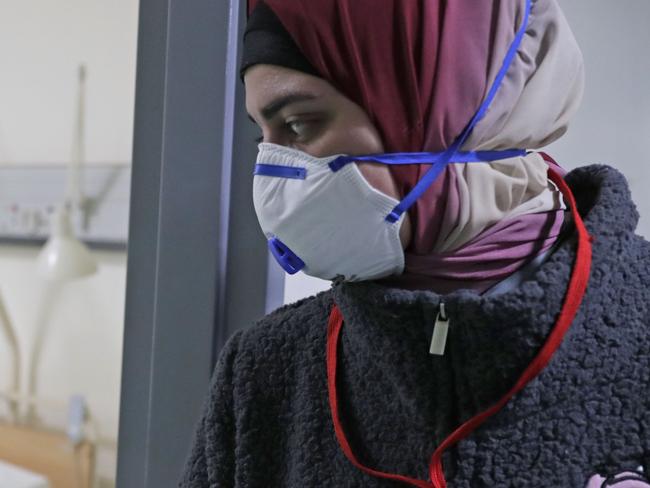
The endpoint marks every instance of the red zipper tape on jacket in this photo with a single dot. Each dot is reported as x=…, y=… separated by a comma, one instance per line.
x=573, y=297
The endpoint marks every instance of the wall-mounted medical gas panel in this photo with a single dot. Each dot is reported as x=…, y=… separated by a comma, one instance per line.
x=29, y=193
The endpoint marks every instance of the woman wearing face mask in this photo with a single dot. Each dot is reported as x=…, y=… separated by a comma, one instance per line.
x=488, y=319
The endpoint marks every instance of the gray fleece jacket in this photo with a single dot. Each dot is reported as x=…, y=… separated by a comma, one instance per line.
x=584, y=421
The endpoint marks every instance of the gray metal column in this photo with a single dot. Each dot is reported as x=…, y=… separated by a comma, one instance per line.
x=246, y=258
x=198, y=267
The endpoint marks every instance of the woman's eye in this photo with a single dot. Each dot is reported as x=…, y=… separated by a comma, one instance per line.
x=298, y=127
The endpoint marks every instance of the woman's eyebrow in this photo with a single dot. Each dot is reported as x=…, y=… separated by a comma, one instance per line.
x=275, y=106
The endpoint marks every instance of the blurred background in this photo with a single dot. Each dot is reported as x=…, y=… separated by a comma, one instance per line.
x=67, y=93
x=83, y=339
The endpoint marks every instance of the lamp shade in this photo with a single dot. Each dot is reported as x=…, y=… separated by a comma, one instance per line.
x=64, y=257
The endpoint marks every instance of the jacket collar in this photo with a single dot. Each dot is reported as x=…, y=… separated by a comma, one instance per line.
x=491, y=338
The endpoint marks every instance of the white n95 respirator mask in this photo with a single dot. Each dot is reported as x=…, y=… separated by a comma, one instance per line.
x=324, y=219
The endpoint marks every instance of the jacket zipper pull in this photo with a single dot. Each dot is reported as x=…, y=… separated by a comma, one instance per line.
x=440, y=329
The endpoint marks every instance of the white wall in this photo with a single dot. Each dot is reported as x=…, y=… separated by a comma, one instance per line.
x=41, y=44
x=613, y=124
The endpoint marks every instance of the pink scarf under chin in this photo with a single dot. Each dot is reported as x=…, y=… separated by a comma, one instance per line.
x=491, y=220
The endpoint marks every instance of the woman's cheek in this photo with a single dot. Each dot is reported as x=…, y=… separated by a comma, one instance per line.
x=379, y=177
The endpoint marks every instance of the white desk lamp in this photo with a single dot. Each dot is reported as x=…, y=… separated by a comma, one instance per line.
x=64, y=257
x=10, y=334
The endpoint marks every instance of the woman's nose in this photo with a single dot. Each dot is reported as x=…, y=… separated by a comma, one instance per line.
x=273, y=136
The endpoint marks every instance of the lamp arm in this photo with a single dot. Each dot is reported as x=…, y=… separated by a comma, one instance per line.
x=73, y=193
x=15, y=352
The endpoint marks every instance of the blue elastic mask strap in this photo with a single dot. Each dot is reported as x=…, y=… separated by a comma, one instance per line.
x=396, y=159
x=430, y=176
x=279, y=171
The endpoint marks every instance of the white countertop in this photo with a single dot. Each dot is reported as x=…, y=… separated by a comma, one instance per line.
x=12, y=476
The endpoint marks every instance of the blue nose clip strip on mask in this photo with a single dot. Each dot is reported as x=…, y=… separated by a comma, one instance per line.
x=292, y=263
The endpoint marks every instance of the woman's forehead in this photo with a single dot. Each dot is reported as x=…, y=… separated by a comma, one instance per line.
x=266, y=83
